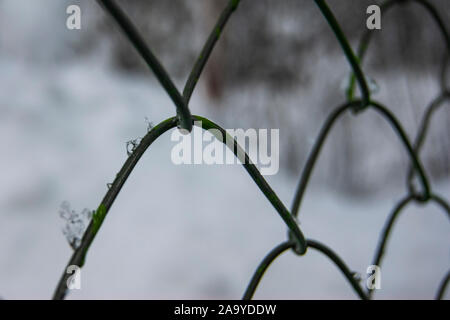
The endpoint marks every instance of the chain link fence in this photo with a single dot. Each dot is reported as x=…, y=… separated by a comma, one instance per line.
x=418, y=188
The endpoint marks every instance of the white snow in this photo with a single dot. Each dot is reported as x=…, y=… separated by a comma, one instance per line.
x=174, y=231
x=193, y=231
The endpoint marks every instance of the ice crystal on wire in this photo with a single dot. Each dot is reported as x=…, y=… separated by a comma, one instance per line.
x=372, y=85
x=149, y=124
x=132, y=145
x=75, y=223
x=357, y=276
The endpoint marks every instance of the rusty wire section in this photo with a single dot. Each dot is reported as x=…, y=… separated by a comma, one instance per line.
x=296, y=241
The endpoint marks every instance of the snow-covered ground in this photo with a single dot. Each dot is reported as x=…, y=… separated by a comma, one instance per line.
x=175, y=231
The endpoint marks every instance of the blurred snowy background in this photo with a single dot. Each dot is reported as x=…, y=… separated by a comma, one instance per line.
x=69, y=101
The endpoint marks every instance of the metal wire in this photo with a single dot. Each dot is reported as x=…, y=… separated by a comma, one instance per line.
x=296, y=240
